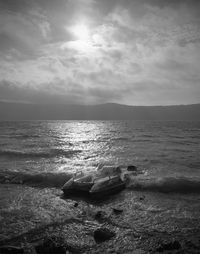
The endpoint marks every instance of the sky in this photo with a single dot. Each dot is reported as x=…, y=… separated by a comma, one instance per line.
x=134, y=52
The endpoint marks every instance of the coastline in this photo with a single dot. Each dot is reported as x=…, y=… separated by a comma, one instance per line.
x=33, y=214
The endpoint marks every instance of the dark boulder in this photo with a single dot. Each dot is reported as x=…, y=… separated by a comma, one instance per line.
x=103, y=234
x=131, y=168
x=7, y=249
x=175, y=245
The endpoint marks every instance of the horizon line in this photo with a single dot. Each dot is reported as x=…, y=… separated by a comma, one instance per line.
x=92, y=105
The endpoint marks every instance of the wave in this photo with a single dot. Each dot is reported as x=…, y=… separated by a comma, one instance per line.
x=50, y=179
x=39, y=154
x=38, y=179
x=122, y=139
x=148, y=136
x=138, y=140
x=166, y=184
x=21, y=136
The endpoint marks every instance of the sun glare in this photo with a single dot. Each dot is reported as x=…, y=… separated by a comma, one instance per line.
x=81, y=32
x=82, y=38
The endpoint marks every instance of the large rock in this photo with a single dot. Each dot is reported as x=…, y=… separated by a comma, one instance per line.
x=103, y=234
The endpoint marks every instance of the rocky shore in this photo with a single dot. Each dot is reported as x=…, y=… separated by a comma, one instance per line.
x=43, y=221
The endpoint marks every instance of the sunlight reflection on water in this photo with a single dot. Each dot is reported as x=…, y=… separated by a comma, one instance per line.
x=56, y=146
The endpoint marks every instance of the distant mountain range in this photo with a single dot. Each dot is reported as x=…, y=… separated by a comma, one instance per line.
x=109, y=111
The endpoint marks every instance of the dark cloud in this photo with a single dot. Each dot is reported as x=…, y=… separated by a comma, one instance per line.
x=16, y=6
x=56, y=92
x=172, y=65
x=174, y=3
x=183, y=42
x=45, y=93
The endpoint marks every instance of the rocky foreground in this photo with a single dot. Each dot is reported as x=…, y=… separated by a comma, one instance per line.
x=43, y=221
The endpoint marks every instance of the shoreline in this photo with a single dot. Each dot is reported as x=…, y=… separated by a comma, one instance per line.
x=142, y=226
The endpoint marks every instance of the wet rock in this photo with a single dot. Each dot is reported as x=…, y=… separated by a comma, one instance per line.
x=100, y=216
x=117, y=211
x=11, y=250
x=131, y=168
x=103, y=234
x=75, y=204
x=175, y=245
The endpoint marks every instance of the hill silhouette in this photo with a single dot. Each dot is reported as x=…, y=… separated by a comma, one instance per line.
x=109, y=111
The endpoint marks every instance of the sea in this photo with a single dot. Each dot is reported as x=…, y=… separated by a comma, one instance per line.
x=38, y=157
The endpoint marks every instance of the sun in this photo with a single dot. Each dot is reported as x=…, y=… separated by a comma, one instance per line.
x=81, y=31
x=82, y=38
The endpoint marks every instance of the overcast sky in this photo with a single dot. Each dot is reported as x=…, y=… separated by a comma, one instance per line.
x=136, y=52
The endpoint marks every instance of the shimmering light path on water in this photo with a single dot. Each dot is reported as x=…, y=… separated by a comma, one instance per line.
x=61, y=146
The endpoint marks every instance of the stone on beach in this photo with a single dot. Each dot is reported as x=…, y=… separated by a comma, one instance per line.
x=103, y=234
x=101, y=216
x=76, y=204
x=131, y=168
x=117, y=211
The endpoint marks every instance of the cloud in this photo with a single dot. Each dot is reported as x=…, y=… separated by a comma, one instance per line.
x=137, y=52
x=21, y=32
x=57, y=91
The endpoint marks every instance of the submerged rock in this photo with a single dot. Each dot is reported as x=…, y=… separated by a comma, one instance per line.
x=103, y=234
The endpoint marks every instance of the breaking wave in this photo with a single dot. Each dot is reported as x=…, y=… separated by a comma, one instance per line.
x=39, y=154
x=38, y=179
x=50, y=179
x=166, y=184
